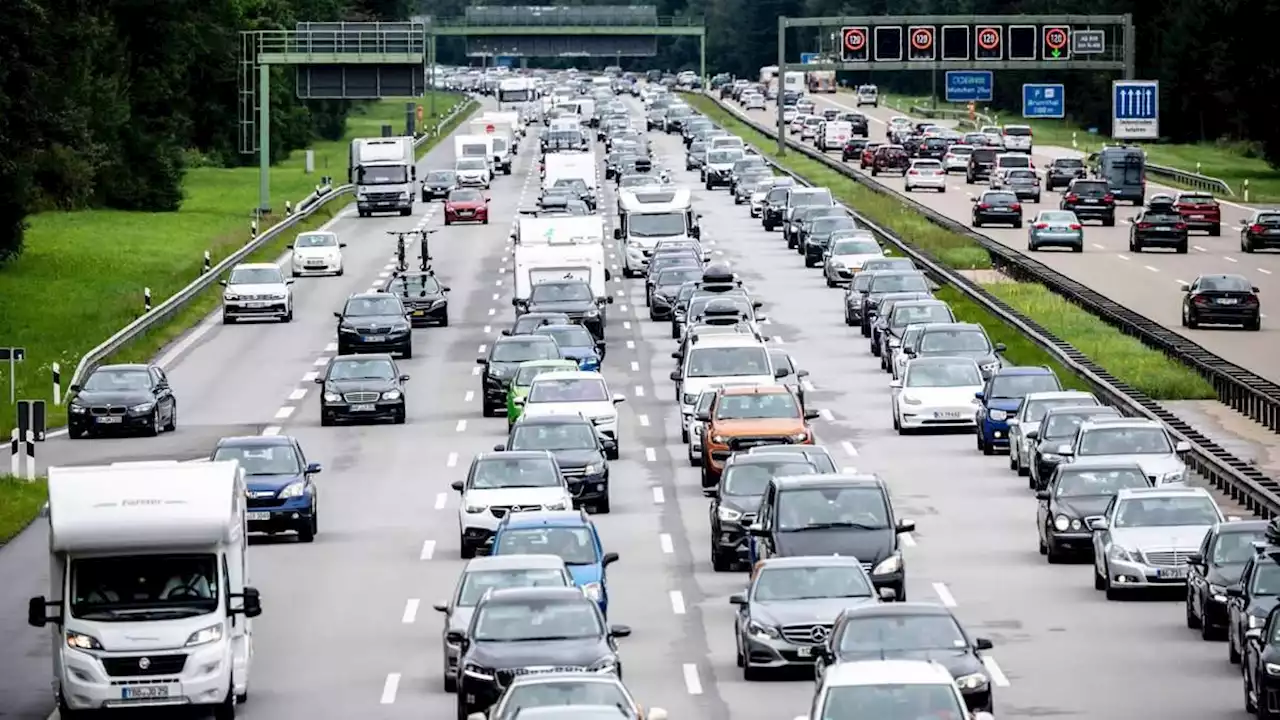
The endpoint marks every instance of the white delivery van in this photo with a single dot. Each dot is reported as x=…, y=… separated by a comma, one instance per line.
x=560, y=259
x=834, y=135
x=868, y=95
x=149, y=599
x=647, y=216
x=473, y=146
x=565, y=124
x=383, y=171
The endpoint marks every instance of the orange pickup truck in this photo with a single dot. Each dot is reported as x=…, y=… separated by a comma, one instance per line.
x=741, y=418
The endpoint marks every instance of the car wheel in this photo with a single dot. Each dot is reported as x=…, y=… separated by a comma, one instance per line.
x=1099, y=582
x=450, y=683
x=1233, y=652
x=173, y=418
x=1111, y=591
x=1193, y=621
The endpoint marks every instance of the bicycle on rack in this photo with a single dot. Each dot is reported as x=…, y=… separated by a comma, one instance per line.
x=424, y=248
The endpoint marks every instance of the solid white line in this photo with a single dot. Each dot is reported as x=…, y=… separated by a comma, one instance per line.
x=644, y=420
x=502, y=269
x=310, y=376
x=452, y=460
x=410, y=611
x=471, y=395
x=298, y=394
x=664, y=540
x=944, y=594
x=907, y=539
x=462, y=426
x=849, y=448
x=691, y=681
x=284, y=412
x=389, y=688
x=271, y=430
x=635, y=366
x=677, y=602
x=331, y=347
x=825, y=414
x=639, y=391
x=993, y=669
x=650, y=455
x=321, y=361
x=428, y=549
x=658, y=497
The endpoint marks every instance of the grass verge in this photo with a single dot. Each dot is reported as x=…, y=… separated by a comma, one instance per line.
x=82, y=274
x=20, y=502
x=1150, y=371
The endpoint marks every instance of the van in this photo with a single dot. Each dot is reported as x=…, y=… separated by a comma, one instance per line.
x=1016, y=138
x=1124, y=169
x=981, y=162
x=868, y=95
x=647, y=216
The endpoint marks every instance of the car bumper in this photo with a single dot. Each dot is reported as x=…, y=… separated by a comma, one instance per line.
x=454, y=217
x=291, y=514
x=589, y=489
x=998, y=217
x=1162, y=239
x=351, y=343
x=717, y=179
x=1073, y=239
x=84, y=422
x=1204, y=223
x=937, y=184
x=1125, y=574
x=477, y=694
x=494, y=391
x=256, y=308
x=310, y=266
x=731, y=538
x=85, y=684
x=839, y=274
x=1070, y=542
x=995, y=433
x=776, y=653
x=429, y=315
x=429, y=194
x=934, y=416
x=380, y=410
x=1214, y=314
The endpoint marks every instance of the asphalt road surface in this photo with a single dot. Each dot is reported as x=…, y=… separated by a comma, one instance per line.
x=1148, y=282
x=348, y=630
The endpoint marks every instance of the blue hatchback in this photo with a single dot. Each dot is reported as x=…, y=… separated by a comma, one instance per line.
x=281, y=485
x=576, y=344
x=567, y=534
x=999, y=400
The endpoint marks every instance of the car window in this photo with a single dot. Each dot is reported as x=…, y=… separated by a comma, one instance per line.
x=1124, y=441
x=1084, y=483
x=1168, y=511
x=478, y=582
x=505, y=472
x=1010, y=385
x=574, y=545
x=1225, y=283
x=537, y=621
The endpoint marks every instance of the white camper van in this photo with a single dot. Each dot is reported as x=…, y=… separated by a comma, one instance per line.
x=501, y=143
x=649, y=215
x=383, y=171
x=149, y=602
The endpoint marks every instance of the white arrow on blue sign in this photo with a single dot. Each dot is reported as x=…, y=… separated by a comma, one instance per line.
x=1044, y=100
x=1135, y=109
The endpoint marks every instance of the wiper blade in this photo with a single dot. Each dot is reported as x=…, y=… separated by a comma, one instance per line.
x=830, y=525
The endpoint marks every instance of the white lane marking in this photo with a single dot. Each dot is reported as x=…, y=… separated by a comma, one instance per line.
x=644, y=420
x=390, y=687
x=626, y=324
x=1122, y=257
x=650, y=455
x=410, y=611
x=389, y=266
x=284, y=412
x=475, y=370
x=428, y=550
x=944, y=594
x=483, y=349
x=496, y=296
x=807, y=386
x=452, y=460
x=907, y=539
x=635, y=366
x=825, y=414
x=462, y=426
x=620, y=292
x=1152, y=269
x=471, y=395
x=502, y=269
x=639, y=391
x=310, y=376
x=331, y=348
x=677, y=602
x=849, y=448
x=298, y=394
x=1199, y=249
x=1180, y=281
x=374, y=289
x=492, y=311
x=658, y=497
x=441, y=499
x=1098, y=246
x=664, y=540
x=631, y=344
x=691, y=681
x=498, y=283
x=384, y=274
x=1228, y=258
x=271, y=430
x=321, y=361
x=1264, y=271
x=993, y=669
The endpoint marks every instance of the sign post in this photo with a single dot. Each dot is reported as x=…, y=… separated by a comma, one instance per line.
x=13, y=355
x=1135, y=109
x=969, y=86
x=1042, y=100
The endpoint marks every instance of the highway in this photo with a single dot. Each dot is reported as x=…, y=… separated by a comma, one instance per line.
x=348, y=629
x=1147, y=282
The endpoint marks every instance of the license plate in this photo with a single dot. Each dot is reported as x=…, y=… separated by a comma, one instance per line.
x=256, y=304
x=366, y=407
x=315, y=263
x=419, y=313
x=374, y=338
x=1164, y=228
x=804, y=652
x=1171, y=573
x=1227, y=301
x=144, y=692
x=1197, y=217
x=111, y=419
x=1090, y=201
x=259, y=516
x=947, y=415
x=1057, y=228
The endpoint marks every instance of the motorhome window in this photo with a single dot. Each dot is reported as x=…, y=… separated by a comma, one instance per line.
x=476, y=583
x=310, y=240
x=574, y=545
x=560, y=292
x=361, y=369
x=143, y=587
x=577, y=390
x=117, y=381
x=558, y=436
x=255, y=276
x=499, y=145
x=493, y=473
x=656, y=224
x=728, y=362
x=414, y=285
x=383, y=175
x=368, y=306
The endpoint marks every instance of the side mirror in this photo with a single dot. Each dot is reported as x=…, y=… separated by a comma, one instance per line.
x=702, y=416
x=342, y=245
x=1195, y=559
x=252, y=602
x=677, y=355
x=619, y=399
x=456, y=485
x=1182, y=447
x=1042, y=494
x=74, y=388
x=482, y=361
x=289, y=281
x=781, y=373
x=441, y=607
x=979, y=395
x=455, y=637
x=404, y=378
x=223, y=283
x=336, y=314
x=906, y=526
x=1033, y=434
x=812, y=415
x=617, y=233
x=319, y=381
x=1235, y=591
x=1255, y=289
x=1097, y=524
x=888, y=594
x=610, y=558
x=499, y=447
x=37, y=615
x=1186, y=288
x=982, y=644
x=518, y=402
x=506, y=333
x=515, y=302
x=486, y=201
x=1001, y=347
x=738, y=598
x=802, y=373
x=895, y=384
x=1065, y=450
x=313, y=468
x=619, y=631
x=609, y=300
x=761, y=317
x=756, y=529
x=675, y=376
x=757, y=305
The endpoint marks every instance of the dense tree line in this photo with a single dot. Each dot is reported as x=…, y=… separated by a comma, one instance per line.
x=106, y=103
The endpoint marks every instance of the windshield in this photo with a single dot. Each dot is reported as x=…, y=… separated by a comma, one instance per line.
x=561, y=436
x=118, y=381
x=574, y=545
x=807, y=199
x=1170, y=511
x=667, y=278
x=656, y=224
x=723, y=157
x=1083, y=483
x=913, y=314
x=631, y=181
x=560, y=292
x=752, y=479
x=1125, y=441
x=888, y=283
x=757, y=406
x=373, y=306
x=525, y=375
x=863, y=507
x=727, y=362
x=310, y=240
x=441, y=176
x=414, y=285
x=472, y=164
x=954, y=341
x=577, y=390
x=861, y=282
x=950, y=374
x=510, y=622
x=361, y=369
x=855, y=247
x=465, y=195
x=143, y=587
x=827, y=225
x=262, y=459
x=477, y=582
x=1017, y=386
x=256, y=276
x=1235, y=548
x=1065, y=424
x=901, y=632
x=567, y=693
x=383, y=175
x=492, y=473
x=811, y=583
x=574, y=336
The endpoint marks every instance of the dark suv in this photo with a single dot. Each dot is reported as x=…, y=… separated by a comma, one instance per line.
x=1090, y=200
x=981, y=162
x=1062, y=171
x=1158, y=226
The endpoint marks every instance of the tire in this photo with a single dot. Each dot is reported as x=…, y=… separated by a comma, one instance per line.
x=613, y=454
x=444, y=322
x=326, y=420
x=451, y=683
x=719, y=562
x=1193, y=622
x=226, y=710
x=602, y=507
x=466, y=551
x=407, y=353
x=173, y=419
x=153, y=428
x=399, y=417
x=307, y=533
x=1099, y=583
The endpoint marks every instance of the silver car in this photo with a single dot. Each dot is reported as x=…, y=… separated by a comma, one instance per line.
x=1136, y=440
x=1146, y=536
x=1056, y=228
x=1027, y=420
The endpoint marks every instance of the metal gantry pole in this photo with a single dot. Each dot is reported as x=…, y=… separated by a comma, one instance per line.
x=782, y=82
x=264, y=138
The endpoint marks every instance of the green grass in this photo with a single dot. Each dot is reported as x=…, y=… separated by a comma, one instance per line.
x=81, y=276
x=20, y=502
x=1150, y=371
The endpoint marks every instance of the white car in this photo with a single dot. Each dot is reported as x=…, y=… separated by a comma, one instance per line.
x=809, y=130
x=789, y=114
x=499, y=483
x=899, y=123
x=473, y=172
x=868, y=95
x=577, y=393
x=317, y=253
x=755, y=101
x=925, y=174
x=936, y=392
x=957, y=158
x=846, y=255
x=1017, y=138
x=257, y=290
x=718, y=359
x=797, y=123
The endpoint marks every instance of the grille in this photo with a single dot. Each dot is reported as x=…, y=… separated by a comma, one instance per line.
x=505, y=677
x=259, y=297
x=500, y=511
x=803, y=634
x=746, y=443
x=1167, y=558
x=266, y=502
x=376, y=330
x=383, y=196
x=573, y=472
x=361, y=397
x=132, y=666
x=108, y=410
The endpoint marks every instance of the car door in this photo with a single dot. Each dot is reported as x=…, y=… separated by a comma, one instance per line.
x=163, y=394
x=1196, y=583
x=1044, y=512
x=1237, y=601
x=1102, y=538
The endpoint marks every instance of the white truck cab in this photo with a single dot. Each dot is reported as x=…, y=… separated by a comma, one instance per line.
x=384, y=172
x=647, y=216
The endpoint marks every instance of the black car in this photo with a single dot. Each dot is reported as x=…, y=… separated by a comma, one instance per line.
x=818, y=455
x=695, y=155
x=911, y=631
x=853, y=149
x=374, y=322
x=775, y=208
x=817, y=237
x=1062, y=172
x=578, y=450
x=934, y=148
x=1216, y=567
x=527, y=323
x=515, y=629
x=820, y=528
x=1000, y=207
x=422, y=294
x=438, y=184
x=736, y=498
x=571, y=297
x=1074, y=496
x=1261, y=232
x=122, y=398
x=362, y=387
x=1221, y=300
x=793, y=230
x=1158, y=227
x=1090, y=200
x=899, y=310
x=667, y=286
x=884, y=313
x=858, y=121
x=675, y=259
x=505, y=356
x=1058, y=427
x=981, y=162
x=885, y=282
x=1261, y=653
x=1252, y=599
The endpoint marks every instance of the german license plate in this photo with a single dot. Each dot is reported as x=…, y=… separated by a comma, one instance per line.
x=374, y=338
x=259, y=516
x=419, y=313
x=950, y=415
x=365, y=407
x=1091, y=201
x=1171, y=573
x=315, y=263
x=804, y=652
x=144, y=692
x=1164, y=228
x=1227, y=301
x=1197, y=217
x=110, y=420
x=255, y=304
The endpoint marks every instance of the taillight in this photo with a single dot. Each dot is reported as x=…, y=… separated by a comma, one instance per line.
x=913, y=172
x=1255, y=228
x=1015, y=206
x=984, y=206
x=1077, y=226
x=1200, y=300
x=1180, y=226
x=1251, y=300
x=1071, y=197
x=1042, y=226
x=1108, y=198
x=1144, y=226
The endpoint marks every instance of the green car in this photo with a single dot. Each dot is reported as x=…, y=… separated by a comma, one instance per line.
x=518, y=388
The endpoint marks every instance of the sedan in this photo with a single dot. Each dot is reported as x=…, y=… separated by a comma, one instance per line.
x=753, y=102
x=1023, y=183
x=997, y=207
x=1075, y=496
x=1262, y=232
x=846, y=254
x=466, y=205
x=1221, y=300
x=438, y=184
x=936, y=393
x=122, y=398
x=1056, y=228
x=362, y=387
x=926, y=173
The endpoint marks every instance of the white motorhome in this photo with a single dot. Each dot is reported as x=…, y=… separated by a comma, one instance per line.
x=511, y=118
x=794, y=81
x=647, y=216
x=471, y=146
x=383, y=171
x=516, y=91
x=567, y=258
x=571, y=166
x=501, y=141
x=149, y=601
x=549, y=230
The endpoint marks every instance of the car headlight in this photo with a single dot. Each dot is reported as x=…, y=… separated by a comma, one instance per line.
x=1218, y=593
x=799, y=437
x=332, y=397
x=558, y=505
x=592, y=590
x=907, y=399
x=1119, y=554
x=1272, y=668
x=77, y=409
x=998, y=415
x=1176, y=476
x=143, y=408
x=729, y=515
x=80, y=641
x=605, y=665
x=975, y=681
x=689, y=399
x=293, y=490
x=391, y=395
x=718, y=439
x=888, y=566
x=593, y=312
x=346, y=329
x=1256, y=622
x=763, y=631
x=213, y=633
x=477, y=671
x=474, y=509
x=593, y=469
x=1051, y=457
x=279, y=296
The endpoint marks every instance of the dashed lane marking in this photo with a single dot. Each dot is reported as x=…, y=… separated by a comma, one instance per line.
x=284, y=412
x=664, y=541
x=658, y=496
x=692, y=682
x=271, y=430
x=1152, y=269
x=428, y=550
x=410, y=611
x=441, y=499
x=849, y=448
x=650, y=455
x=944, y=594
x=298, y=394
x=321, y=361
x=639, y=391
x=452, y=460
x=677, y=602
x=644, y=420
x=462, y=426
x=331, y=347
x=390, y=687
x=993, y=669
x=907, y=539
x=310, y=376
x=635, y=366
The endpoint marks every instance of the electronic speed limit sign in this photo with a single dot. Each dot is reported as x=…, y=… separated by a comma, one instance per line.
x=853, y=44
x=920, y=43
x=1057, y=43
x=988, y=42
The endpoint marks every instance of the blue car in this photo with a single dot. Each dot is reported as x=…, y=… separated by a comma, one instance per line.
x=567, y=534
x=999, y=400
x=576, y=344
x=281, y=483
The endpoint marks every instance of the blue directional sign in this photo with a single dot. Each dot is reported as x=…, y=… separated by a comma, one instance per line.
x=1135, y=109
x=504, y=61
x=969, y=86
x=808, y=58
x=1044, y=101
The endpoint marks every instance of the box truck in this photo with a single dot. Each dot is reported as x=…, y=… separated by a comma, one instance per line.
x=383, y=171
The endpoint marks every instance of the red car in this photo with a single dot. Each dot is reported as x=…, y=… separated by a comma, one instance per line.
x=466, y=205
x=1200, y=210
x=868, y=154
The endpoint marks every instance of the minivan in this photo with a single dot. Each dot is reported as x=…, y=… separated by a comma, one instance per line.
x=1124, y=169
x=1017, y=138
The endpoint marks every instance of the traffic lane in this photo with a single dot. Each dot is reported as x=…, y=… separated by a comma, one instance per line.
x=25, y=652
x=976, y=534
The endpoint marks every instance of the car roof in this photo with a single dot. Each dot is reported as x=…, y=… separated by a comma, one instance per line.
x=728, y=340
x=1058, y=395
x=526, y=420
x=887, y=672
x=951, y=327
x=123, y=366
x=521, y=339
x=771, y=389
x=1163, y=491
x=786, y=450
x=514, y=562
x=548, y=363
x=1083, y=410
x=569, y=375
x=766, y=459
x=547, y=518
x=1242, y=526
x=527, y=594
x=1120, y=422
x=256, y=266
x=1025, y=370
x=256, y=441
x=1095, y=467
x=361, y=356
x=800, y=482
x=804, y=561
x=514, y=454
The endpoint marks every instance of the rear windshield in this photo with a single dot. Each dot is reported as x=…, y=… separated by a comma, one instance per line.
x=984, y=154
x=1161, y=217
x=1015, y=161
x=1000, y=199
x=1090, y=188
x=1017, y=131
x=1197, y=200
x=1268, y=220
x=1232, y=283
x=1070, y=163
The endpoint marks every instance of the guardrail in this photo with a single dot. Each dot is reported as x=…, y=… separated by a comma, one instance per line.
x=1189, y=179
x=1235, y=477
x=209, y=275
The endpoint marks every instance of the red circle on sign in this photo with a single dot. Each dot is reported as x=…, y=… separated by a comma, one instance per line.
x=988, y=39
x=1055, y=38
x=489, y=129
x=854, y=39
x=922, y=38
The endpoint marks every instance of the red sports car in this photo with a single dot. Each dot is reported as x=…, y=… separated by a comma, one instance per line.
x=466, y=205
